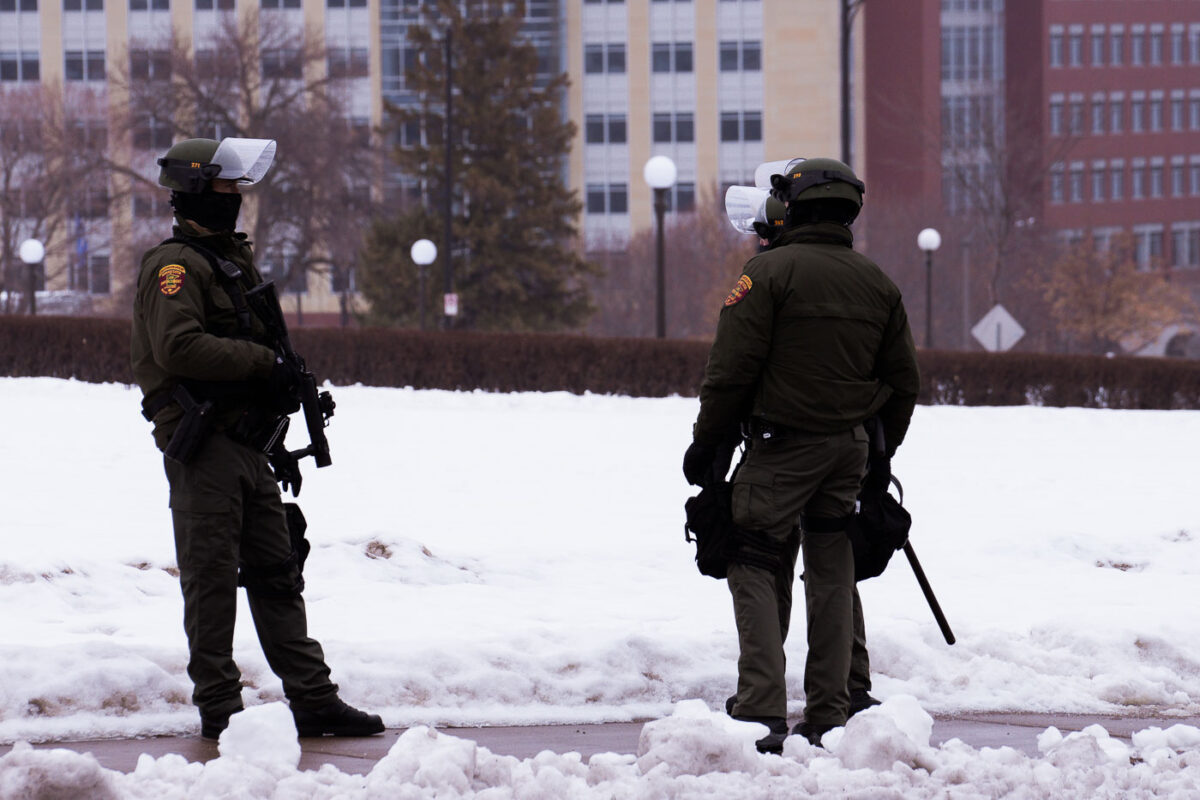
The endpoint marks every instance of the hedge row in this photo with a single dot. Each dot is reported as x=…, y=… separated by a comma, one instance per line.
x=97, y=350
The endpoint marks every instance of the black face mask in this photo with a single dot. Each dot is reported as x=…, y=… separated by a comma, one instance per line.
x=217, y=211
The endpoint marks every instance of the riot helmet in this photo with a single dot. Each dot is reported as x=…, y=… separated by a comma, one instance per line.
x=819, y=189
x=190, y=166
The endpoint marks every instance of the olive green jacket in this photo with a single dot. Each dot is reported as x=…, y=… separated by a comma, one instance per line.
x=185, y=326
x=814, y=337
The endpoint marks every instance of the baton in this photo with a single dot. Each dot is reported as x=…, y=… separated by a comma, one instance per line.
x=928, y=592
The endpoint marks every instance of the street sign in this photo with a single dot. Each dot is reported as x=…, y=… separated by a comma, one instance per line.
x=998, y=331
x=450, y=304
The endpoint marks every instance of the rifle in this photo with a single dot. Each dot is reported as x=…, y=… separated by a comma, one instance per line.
x=317, y=406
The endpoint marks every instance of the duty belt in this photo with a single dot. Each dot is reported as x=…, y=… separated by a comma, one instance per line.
x=759, y=429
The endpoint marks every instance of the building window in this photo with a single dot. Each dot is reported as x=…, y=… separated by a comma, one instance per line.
x=1137, y=181
x=150, y=205
x=1178, y=45
x=1056, y=184
x=1075, y=183
x=1116, y=181
x=1116, y=110
x=1056, y=116
x=1099, y=187
x=1116, y=50
x=1097, y=115
x=1137, y=48
x=1178, y=182
x=99, y=280
x=669, y=128
x=1178, y=117
x=1136, y=121
x=743, y=56
x=1149, y=242
x=743, y=126
x=19, y=66
x=151, y=134
x=275, y=4
x=84, y=65
x=671, y=57
x=605, y=129
x=348, y=62
x=1194, y=44
x=1156, y=48
x=1076, y=116
x=1056, y=48
x=610, y=198
x=220, y=5
x=149, y=5
x=1185, y=246
x=91, y=134
x=1156, y=113
x=1156, y=180
x=682, y=197
x=18, y=5
x=1075, y=49
x=1097, y=41
x=149, y=65
x=83, y=5
x=601, y=58
x=1194, y=113
x=282, y=62
x=1194, y=178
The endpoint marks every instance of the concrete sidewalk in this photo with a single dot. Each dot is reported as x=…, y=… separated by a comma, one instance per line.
x=1018, y=731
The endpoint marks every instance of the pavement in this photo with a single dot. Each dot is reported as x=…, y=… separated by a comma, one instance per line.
x=359, y=755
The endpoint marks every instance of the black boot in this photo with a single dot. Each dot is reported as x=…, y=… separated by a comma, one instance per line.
x=812, y=732
x=336, y=719
x=773, y=741
x=211, y=725
x=861, y=700
x=730, y=702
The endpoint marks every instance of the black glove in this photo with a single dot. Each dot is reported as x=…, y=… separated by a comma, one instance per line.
x=286, y=468
x=879, y=475
x=698, y=463
x=284, y=386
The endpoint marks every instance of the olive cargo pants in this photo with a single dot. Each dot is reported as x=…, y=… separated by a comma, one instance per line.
x=818, y=475
x=227, y=512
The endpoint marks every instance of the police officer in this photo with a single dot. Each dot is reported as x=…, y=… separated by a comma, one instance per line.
x=216, y=396
x=812, y=341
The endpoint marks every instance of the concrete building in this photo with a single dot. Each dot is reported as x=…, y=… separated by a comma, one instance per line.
x=1082, y=116
x=717, y=85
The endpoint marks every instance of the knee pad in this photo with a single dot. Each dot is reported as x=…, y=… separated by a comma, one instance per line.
x=824, y=524
x=273, y=580
x=754, y=549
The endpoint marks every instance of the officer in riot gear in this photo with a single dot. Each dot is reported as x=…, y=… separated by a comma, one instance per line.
x=812, y=342
x=219, y=397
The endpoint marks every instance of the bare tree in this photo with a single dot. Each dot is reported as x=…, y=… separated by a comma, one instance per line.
x=259, y=77
x=52, y=187
x=704, y=256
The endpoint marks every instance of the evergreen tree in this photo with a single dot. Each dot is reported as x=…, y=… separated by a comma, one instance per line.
x=514, y=264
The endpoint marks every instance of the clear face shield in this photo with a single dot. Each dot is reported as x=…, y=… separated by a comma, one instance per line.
x=764, y=171
x=244, y=160
x=745, y=205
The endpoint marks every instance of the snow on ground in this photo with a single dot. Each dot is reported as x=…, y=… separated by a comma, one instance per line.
x=499, y=559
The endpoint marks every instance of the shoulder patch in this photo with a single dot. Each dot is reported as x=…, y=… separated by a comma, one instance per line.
x=170, y=279
x=740, y=291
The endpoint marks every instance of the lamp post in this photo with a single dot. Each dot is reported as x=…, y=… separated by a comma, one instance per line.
x=660, y=174
x=423, y=253
x=32, y=252
x=929, y=240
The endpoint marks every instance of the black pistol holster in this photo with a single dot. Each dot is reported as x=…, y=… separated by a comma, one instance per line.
x=193, y=427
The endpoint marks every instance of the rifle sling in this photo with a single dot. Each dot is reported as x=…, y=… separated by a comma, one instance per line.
x=227, y=274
